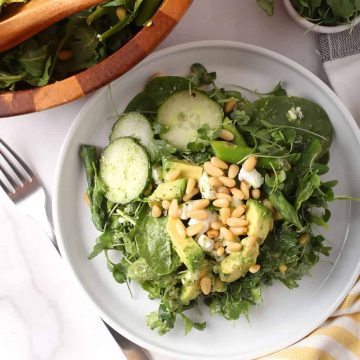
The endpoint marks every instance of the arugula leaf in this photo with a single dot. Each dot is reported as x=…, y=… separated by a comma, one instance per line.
x=200, y=76
x=267, y=6
x=306, y=187
x=189, y=324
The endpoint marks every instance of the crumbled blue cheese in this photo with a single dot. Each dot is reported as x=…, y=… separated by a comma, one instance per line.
x=253, y=177
x=207, y=191
x=295, y=113
x=156, y=175
x=206, y=243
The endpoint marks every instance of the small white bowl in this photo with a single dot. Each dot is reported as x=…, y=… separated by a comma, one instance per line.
x=310, y=26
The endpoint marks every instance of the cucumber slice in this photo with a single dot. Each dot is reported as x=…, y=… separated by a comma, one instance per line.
x=183, y=114
x=135, y=125
x=125, y=170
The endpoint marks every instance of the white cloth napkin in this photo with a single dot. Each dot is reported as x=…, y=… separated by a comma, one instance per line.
x=340, y=54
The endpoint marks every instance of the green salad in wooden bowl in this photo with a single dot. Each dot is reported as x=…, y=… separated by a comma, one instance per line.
x=207, y=194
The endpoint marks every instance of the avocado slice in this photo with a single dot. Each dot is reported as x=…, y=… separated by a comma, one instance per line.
x=259, y=218
x=187, y=170
x=189, y=292
x=169, y=190
x=191, y=289
x=187, y=248
x=237, y=264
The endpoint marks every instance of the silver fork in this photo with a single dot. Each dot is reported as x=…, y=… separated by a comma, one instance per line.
x=25, y=190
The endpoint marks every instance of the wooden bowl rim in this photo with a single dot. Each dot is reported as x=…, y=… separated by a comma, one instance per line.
x=112, y=67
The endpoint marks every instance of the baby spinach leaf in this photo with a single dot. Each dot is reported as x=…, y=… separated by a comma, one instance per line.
x=307, y=118
x=154, y=243
x=140, y=271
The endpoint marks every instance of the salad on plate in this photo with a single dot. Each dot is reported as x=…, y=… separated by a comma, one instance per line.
x=209, y=194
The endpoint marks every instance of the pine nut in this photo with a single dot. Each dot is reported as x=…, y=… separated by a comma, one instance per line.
x=216, y=225
x=191, y=194
x=226, y=135
x=86, y=199
x=156, y=211
x=198, y=214
x=233, y=171
x=251, y=241
x=250, y=163
x=174, y=209
x=214, y=181
x=255, y=193
x=236, y=222
x=254, y=268
x=234, y=247
x=226, y=234
x=283, y=268
x=165, y=204
x=200, y=204
x=205, y=285
x=219, y=163
x=222, y=203
x=120, y=12
x=190, y=186
x=245, y=189
x=230, y=106
x=304, y=239
x=213, y=234
x=223, y=196
x=172, y=175
x=217, y=245
x=223, y=189
x=239, y=230
x=65, y=55
x=227, y=181
x=237, y=193
x=212, y=170
x=220, y=251
x=243, y=217
x=181, y=230
x=277, y=216
x=237, y=212
x=224, y=214
x=194, y=229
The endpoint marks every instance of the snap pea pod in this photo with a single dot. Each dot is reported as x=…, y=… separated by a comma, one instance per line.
x=236, y=154
x=238, y=138
x=308, y=157
x=285, y=208
x=88, y=154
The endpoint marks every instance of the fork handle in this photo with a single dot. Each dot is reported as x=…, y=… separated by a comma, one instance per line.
x=46, y=224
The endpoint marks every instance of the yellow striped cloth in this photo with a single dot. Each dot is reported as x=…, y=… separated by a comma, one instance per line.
x=337, y=339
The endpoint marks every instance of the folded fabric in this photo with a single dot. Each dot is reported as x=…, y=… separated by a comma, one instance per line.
x=337, y=339
x=340, y=53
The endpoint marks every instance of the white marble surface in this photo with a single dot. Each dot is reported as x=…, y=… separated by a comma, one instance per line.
x=42, y=313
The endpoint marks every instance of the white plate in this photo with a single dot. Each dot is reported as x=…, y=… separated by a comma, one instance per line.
x=285, y=316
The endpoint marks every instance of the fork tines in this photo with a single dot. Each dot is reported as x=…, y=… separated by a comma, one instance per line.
x=14, y=173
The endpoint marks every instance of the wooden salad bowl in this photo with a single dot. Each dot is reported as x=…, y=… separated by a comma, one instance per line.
x=115, y=65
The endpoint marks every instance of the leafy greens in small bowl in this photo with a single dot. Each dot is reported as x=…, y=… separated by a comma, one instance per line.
x=207, y=194
x=324, y=16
